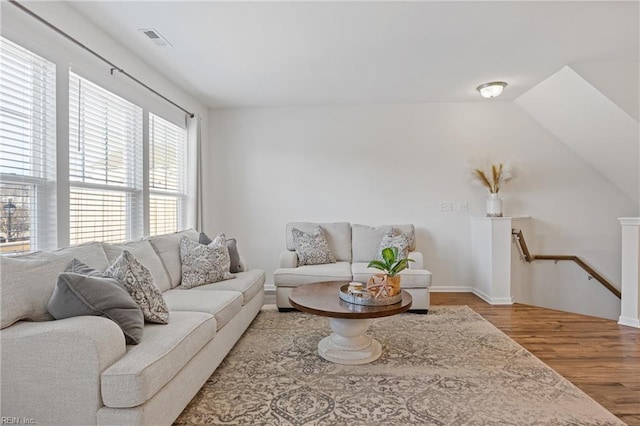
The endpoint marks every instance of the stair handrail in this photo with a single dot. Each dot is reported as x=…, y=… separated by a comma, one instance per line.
x=528, y=257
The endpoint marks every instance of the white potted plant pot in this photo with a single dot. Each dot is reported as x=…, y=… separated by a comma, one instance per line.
x=494, y=205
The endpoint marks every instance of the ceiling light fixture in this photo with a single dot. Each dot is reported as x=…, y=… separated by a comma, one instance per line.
x=491, y=90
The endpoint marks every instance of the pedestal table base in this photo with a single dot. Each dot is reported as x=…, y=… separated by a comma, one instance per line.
x=349, y=344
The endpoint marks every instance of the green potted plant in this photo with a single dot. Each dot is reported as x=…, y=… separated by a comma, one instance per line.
x=389, y=282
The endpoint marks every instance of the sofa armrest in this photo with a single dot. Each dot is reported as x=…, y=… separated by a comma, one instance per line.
x=418, y=261
x=288, y=259
x=51, y=370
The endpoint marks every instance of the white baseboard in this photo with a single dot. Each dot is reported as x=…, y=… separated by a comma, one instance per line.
x=270, y=291
x=270, y=288
x=269, y=294
x=630, y=322
x=493, y=300
x=450, y=289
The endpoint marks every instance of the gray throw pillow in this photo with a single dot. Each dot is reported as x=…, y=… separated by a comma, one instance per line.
x=234, y=256
x=402, y=242
x=204, y=264
x=79, y=267
x=312, y=249
x=204, y=239
x=78, y=294
x=232, y=246
x=137, y=279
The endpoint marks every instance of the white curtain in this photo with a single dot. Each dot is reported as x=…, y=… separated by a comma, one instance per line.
x=194, y=140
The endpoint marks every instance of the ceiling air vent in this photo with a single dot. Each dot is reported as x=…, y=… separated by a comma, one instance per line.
x=153, y=35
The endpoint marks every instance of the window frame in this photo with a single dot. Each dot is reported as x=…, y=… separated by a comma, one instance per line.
x=40, y=166
x=131, y=136
x=181, y=192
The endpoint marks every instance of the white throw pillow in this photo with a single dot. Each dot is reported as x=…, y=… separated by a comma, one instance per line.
x=204, y=264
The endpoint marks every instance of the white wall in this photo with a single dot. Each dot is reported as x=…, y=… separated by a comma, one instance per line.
x=368, y=164
x=381, y=164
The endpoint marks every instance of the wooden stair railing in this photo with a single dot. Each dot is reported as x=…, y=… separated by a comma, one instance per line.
x=528, y=257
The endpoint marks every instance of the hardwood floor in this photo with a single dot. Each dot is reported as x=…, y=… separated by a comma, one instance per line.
x=599, y=356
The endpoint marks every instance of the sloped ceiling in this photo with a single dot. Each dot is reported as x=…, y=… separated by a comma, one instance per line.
x=591, y=125
x=618, y=81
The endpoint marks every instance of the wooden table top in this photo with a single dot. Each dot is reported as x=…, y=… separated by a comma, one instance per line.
x=323, y=299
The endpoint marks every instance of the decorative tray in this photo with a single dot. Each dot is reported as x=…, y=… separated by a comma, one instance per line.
x=365, y=298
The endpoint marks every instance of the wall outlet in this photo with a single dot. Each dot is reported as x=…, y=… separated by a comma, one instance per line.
x=463, y=206
x=446, y=206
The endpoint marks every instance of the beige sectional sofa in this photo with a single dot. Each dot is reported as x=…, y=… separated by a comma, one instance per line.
x=353, y=246
x=78, y=371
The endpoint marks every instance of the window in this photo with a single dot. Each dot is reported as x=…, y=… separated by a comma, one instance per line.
x=27, y=150
x=167, y=176
x=105, y=164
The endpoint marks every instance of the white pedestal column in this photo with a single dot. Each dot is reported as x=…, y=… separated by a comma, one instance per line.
x=492, y=256
x=630, y=302
x=349, y=344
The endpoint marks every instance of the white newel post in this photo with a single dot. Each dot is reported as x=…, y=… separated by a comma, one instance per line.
x=630, y=301
x=495, y=277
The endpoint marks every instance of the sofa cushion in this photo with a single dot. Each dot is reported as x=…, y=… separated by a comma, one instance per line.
x=162, y=353
x=144, y=252
x=248, y=283
x=78, y=295
x=28, y=281
x=137, y=279
x=411, y=278
x=204, y=264
x=292, y=277
x=168, y=249
x=223, y=305
x=366, y=241
x=312, y=248
x=338, y=237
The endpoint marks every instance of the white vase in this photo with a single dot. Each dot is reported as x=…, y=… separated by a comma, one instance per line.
x=494, y=205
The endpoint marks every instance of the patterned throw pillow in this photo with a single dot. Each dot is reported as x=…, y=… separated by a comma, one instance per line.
x=234, y=254
x=204, y=264
x=138, y=281
x=402, y=242
x=312, y=249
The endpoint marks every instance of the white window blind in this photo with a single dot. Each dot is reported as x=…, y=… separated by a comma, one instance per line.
x=27, y=150
x=105, y=164
x=167, y=176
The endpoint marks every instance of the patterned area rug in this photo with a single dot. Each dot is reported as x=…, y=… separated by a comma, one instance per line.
x=450, y=367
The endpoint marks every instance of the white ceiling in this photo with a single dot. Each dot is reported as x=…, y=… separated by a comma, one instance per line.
x=231, y=54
